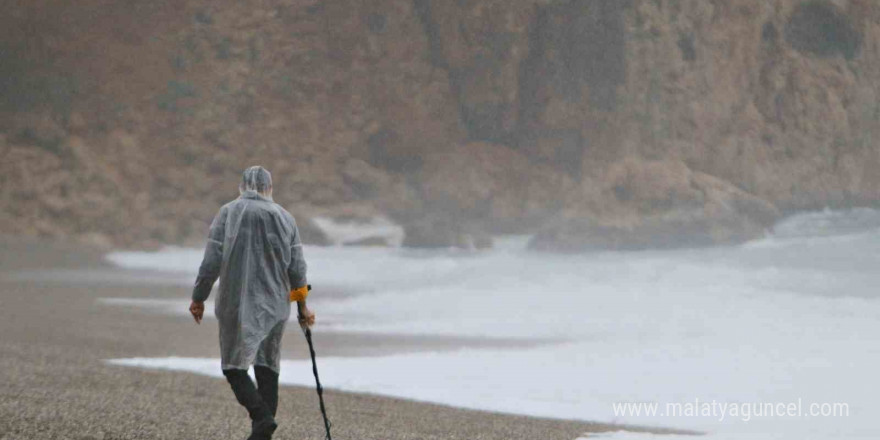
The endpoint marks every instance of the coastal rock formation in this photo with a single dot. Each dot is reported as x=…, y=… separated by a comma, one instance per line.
x=491, y=186
x=129, y=123
x=656, y=204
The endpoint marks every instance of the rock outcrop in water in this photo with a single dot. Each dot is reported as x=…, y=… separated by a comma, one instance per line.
x=600, y=123
x=655, y=204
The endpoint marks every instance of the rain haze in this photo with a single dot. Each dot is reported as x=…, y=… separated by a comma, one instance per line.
x=521, y=219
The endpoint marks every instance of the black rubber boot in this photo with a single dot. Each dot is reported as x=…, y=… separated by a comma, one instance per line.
x=267, y=385
x=263, y=423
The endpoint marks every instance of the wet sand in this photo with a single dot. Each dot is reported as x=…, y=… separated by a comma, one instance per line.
x=55, y=335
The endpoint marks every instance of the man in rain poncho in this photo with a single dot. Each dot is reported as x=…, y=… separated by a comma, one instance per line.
x=255, y=249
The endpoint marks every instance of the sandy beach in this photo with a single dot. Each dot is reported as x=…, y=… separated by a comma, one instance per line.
x=57, y=385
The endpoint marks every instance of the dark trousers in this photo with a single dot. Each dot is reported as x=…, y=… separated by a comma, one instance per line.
x=260, y=401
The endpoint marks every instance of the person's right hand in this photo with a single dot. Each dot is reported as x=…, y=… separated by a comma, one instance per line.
x=306, y=317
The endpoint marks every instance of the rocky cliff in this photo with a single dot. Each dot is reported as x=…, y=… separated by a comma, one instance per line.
x=598, y=123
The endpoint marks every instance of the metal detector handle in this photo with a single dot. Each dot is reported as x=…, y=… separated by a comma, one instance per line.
x=318, y=387
x=298, y=314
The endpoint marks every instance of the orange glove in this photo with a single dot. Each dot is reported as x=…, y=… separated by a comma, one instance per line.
x=300, y=294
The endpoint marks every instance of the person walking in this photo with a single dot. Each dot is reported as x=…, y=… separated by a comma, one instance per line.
x=255, y=249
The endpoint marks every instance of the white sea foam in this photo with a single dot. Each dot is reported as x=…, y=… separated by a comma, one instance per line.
x=791, y=317
x=341, y=232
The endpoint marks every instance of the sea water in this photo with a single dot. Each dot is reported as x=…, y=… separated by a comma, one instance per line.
x=788, y=321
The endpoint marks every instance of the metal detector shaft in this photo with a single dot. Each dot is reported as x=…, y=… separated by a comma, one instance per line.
x=308, y=333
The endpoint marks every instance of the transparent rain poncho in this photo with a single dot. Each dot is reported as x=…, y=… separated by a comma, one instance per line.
x=255, y=249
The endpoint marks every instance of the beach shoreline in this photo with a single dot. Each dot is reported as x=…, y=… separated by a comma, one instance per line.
x=58, y=336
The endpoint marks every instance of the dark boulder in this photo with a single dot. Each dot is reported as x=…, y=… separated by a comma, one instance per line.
x=656, y=204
